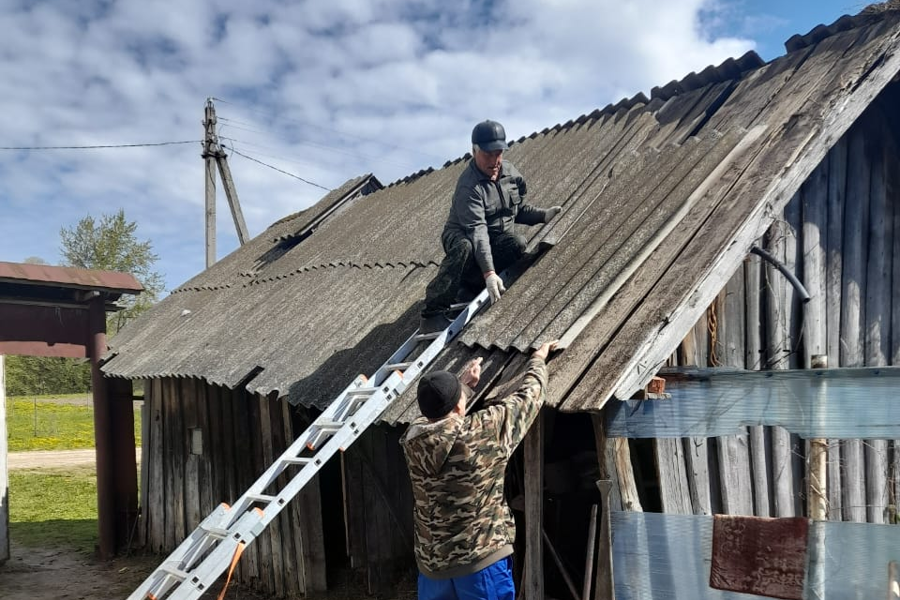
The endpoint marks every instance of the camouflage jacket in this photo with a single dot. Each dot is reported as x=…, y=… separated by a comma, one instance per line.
x=457, y=466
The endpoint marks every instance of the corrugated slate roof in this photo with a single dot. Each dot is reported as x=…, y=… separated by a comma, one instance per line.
x=662, y=199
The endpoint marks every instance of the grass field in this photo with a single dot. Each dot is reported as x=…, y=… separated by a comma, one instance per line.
x=53, y=508
x=53, y=423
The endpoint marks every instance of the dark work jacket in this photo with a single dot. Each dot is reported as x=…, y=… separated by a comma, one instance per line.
x=482, y=208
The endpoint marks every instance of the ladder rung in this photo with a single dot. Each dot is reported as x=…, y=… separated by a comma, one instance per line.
x=429, y=336
x=298, y=461
x=329, y=426
x=366, y=391
x=261, y=498
x=397, y=366
x=216, y=532
x=173, y=572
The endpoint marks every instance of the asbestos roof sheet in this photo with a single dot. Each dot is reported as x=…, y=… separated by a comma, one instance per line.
x=662, y=199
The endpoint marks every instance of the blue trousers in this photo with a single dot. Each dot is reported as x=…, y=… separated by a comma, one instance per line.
x=494, y=582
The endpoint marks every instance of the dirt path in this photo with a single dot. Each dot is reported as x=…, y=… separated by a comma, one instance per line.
x=53, y=458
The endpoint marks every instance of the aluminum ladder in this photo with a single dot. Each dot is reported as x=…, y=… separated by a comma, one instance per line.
x=220, y=538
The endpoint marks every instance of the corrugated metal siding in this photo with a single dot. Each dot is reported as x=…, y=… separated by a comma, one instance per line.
x=632, y=247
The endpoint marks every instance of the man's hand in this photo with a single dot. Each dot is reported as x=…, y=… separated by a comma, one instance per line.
x=546, y=348
x=471, y=374
x=551, y=212
x=494, y=285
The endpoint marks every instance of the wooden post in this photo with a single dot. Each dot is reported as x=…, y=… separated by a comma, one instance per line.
x=103, y=434
x=814, y=216
x=759, y=463
x=589, y=555
x=533, y=581
x=4, y=477
x=878, y=318
x=778, y=347
x=837, y=185
x=209, y=156
x=604, y=587
x=121, y=400
x=853, y=293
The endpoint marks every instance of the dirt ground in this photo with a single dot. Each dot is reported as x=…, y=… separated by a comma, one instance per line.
x=58, y=574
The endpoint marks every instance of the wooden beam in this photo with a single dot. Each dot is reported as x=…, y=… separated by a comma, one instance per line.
x=604, y=588
x=533, y=581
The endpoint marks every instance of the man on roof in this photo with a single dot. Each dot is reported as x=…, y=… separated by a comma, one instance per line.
x=464, y=530
x=478, y=238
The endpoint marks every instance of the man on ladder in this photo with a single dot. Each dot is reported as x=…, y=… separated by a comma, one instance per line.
x=478, y=237
x=464, y=531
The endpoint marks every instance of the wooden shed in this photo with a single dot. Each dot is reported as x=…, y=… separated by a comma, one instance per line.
x=653, y=268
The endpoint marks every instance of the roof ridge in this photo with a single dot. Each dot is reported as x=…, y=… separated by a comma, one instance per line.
x=866, y=16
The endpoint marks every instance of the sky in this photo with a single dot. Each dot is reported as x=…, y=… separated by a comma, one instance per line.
x=314, y=92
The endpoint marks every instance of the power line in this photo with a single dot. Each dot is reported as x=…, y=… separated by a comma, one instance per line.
x=279, y=170
x=100, y=146
x=271, y=113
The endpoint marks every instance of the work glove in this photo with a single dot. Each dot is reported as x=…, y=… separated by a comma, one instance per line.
x=494, y=285
x=551, y=212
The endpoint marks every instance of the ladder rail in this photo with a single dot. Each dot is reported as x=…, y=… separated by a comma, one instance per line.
x=206, y=553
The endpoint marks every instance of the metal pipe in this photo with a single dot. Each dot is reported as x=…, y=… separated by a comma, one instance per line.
x=804, y=295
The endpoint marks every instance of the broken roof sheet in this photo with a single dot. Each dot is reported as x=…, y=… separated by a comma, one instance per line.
x=662, y=200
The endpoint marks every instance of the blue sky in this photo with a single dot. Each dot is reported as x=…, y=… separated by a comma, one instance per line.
x=324, y=89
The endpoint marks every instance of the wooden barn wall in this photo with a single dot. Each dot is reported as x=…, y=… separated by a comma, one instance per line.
x=837, y=236
x=183, y=481
x=378, y=507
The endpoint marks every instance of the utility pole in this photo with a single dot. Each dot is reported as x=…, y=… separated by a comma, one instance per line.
x=214, y=156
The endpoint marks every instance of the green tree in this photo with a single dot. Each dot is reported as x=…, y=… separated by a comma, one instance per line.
x=108, y=245
x=112, y=245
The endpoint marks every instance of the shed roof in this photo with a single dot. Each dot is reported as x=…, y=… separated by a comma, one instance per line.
x=662, y=199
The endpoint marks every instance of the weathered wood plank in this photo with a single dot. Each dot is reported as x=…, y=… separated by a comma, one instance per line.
x=259, y=553
x=533, y=584
x=269, y=424
x=673, y=484
x=778, y=351
x=242, y=466
x=606, y=462
x=852, y=308
x=837, y=187
x=378, y=522
x=814, y=195
x=794, y=262
x=192, y=482
x=734, y=451
x=174, y=453
x=760, y=466
x=878, y=311
x=153, y=461
x=281, y=439
x=209, y=497
x=625, y=471
x=697, y=465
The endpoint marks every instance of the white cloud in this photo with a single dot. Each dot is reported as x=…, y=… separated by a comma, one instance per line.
x=326, y=89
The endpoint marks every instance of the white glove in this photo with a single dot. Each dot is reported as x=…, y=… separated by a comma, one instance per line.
x=494, y=285
x=551, y=212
